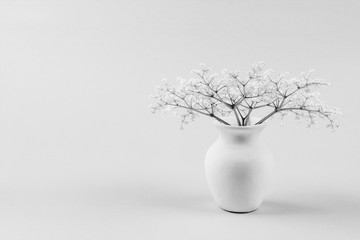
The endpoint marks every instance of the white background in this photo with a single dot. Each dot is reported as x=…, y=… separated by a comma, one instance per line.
x=82, y=157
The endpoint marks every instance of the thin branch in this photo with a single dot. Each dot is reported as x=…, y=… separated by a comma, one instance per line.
x=240, y=115
x=278, y=107
x=212, y=96
x=237, y=117
x=266, y=117
x=198, y=111
x=247, y=117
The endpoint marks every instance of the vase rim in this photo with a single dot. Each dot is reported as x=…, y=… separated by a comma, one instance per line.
x=255, y=119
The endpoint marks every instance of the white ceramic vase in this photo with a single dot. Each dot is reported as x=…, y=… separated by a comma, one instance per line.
x=238, y=166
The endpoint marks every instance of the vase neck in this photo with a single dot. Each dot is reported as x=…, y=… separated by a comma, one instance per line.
x=239, y=135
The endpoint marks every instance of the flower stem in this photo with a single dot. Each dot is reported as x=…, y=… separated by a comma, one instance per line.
x=266, y=117
x=237, y=117
x=220, y=120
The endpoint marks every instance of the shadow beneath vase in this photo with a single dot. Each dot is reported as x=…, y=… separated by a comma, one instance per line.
x=174, y=199
x=285, y=208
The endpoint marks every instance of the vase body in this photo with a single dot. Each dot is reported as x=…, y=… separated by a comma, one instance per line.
x=238, y=167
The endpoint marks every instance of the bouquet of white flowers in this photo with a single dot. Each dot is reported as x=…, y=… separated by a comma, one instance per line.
x=217, y=96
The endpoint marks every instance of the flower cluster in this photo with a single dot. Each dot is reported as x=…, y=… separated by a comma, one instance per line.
x=218, y=96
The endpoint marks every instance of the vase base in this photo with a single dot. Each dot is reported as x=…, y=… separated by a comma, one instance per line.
x=238, y=212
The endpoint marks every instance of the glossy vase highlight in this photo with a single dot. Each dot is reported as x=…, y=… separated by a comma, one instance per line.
x=238, y=166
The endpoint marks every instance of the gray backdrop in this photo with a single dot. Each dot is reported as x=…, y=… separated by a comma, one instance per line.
x=82, y=157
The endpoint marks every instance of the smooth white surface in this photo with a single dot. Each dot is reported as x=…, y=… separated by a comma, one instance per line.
x=81, y=156
x=238, y=167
